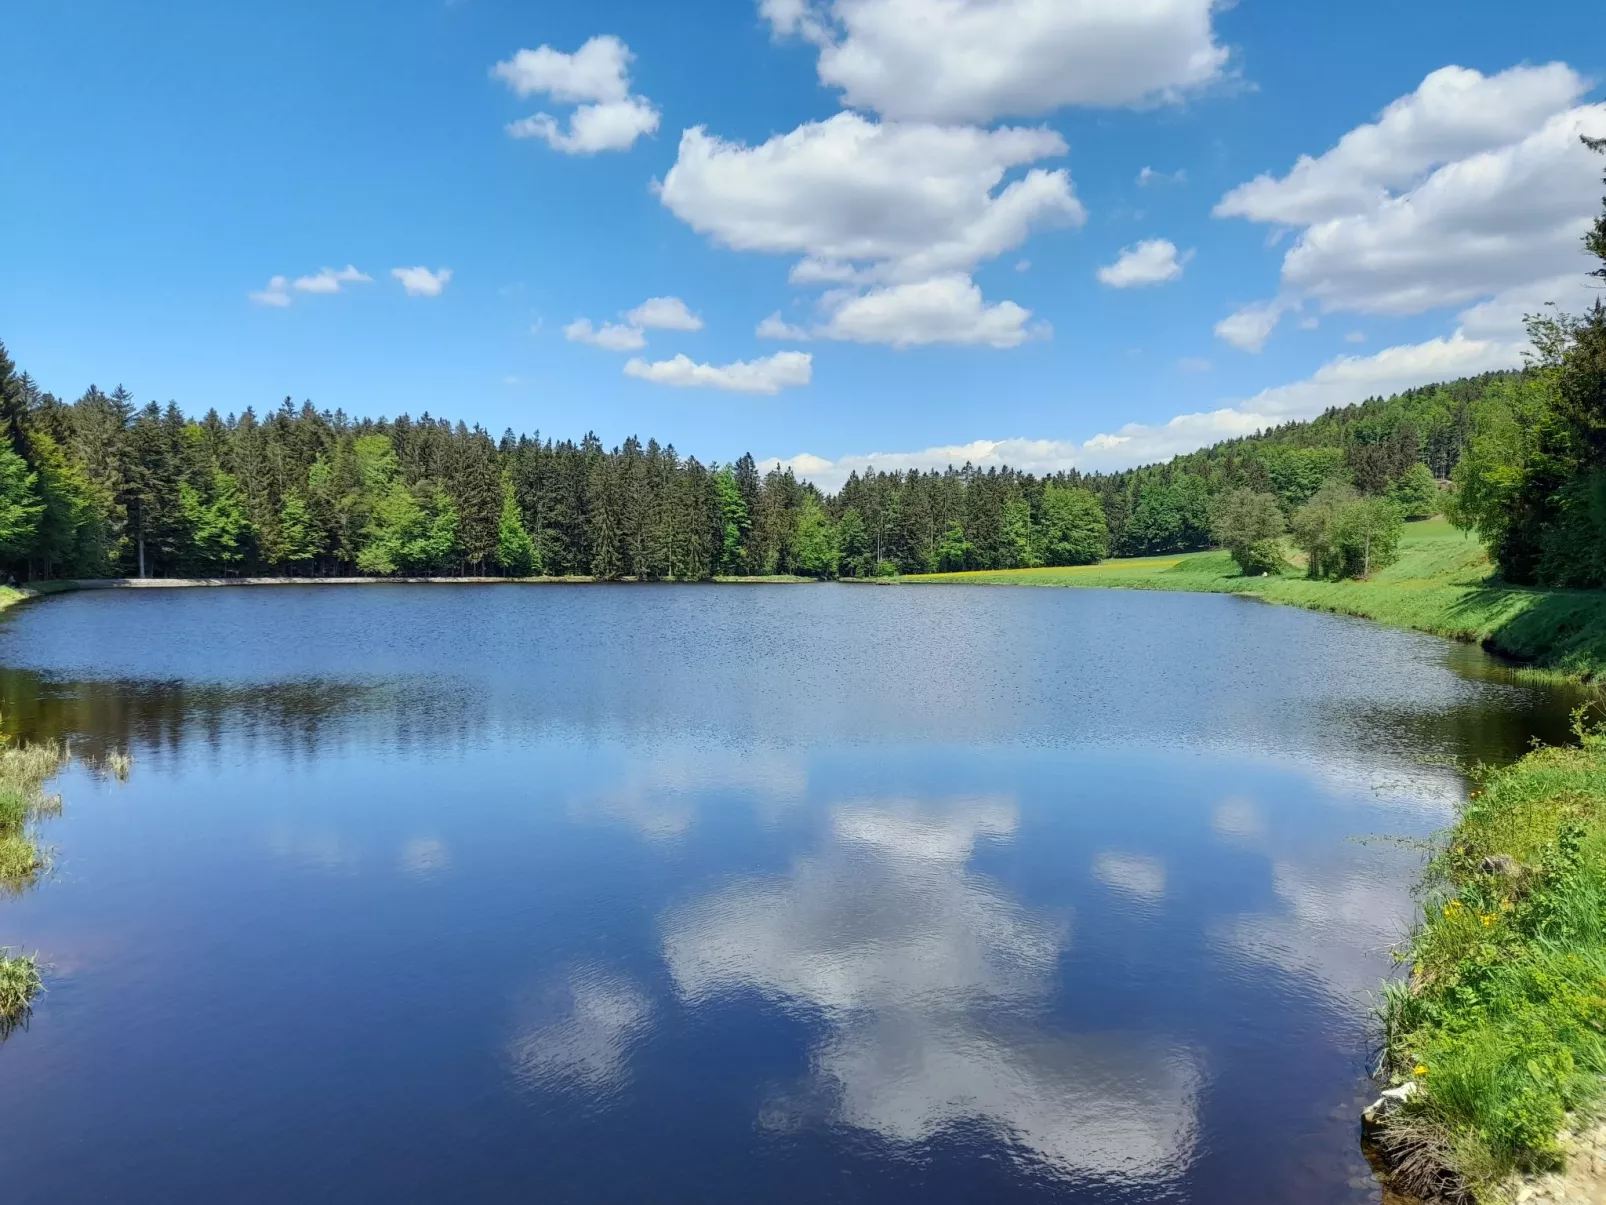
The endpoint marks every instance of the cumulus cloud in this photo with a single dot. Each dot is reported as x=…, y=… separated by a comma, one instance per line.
x=944, y=309
x=978, y=60
x=614, y=126
x=783, y=370
x=1151, y=262
x=776, y=327
x=1031, y=455
x=656, y=313
x=329, y=280
x=665, y=314
x=1249, y=328
x=1488, y=337
x=276, y=294
x=595, y=78
x=1453, y=114
x=862, y=201
x=421, y=282
x=611, y=336
x=1467, y=187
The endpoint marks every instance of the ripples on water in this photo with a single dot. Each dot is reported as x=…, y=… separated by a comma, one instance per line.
x=721, y=895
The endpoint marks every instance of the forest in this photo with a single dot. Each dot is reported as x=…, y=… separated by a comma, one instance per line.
x=105, y=487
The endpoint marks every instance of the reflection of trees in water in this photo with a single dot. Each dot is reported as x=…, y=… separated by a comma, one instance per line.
x=1498, y=724
x=293, y=718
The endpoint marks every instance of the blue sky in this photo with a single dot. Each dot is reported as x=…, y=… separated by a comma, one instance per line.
x=960, y=171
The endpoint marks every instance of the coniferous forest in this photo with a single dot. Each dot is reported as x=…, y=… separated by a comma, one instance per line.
x=103, y=486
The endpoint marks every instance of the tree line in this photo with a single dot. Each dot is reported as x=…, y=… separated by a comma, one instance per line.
x=101, y=486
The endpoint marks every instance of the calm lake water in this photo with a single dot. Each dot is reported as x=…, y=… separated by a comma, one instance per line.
x=721, y=895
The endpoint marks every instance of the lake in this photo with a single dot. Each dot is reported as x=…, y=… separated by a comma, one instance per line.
x=721, y=894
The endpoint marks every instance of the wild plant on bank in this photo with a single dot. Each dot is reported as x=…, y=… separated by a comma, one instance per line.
x=20, y=982
x=1503, y=1023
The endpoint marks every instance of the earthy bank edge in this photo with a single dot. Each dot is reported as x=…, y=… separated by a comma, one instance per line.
x=12, y=595
x=1496, y=1044
x=1439, y=585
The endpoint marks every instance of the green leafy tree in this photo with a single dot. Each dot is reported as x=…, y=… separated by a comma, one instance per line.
x=953, y=550
x=1015, y=532
x=1344, y=535
x=733, y=523
x=815, y=548
x=1071, y=528
x=1366, y=536
x=20, y=507
x=1416, y=493
x=299, y=542
x=1250, y=526
x=515, y=551
x=853, y=542
x=219, y=528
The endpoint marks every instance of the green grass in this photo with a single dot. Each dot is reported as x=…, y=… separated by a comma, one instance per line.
x=1503, y=1021
x=1440, y=584
x=20, y=982
x=24, y=770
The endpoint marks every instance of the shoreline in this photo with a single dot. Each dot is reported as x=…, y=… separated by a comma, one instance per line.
x=11, y=596
x=1439, y=586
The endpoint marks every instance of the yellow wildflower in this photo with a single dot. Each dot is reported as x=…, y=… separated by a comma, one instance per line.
x=1419, y=1069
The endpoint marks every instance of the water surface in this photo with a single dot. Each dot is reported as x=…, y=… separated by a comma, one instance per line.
x=721, y=895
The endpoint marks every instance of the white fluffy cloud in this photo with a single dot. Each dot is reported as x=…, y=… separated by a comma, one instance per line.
x=776, y=327
x=1454, y=113
x=1151, y=262
x=656, y=313
x=329, y=280
x=611, y=336
x=614, y=126
x=325, y=280
x=276, y=294
x=664, y=314
x=944, y=309
x=1469, y=186
x=769, y=375
x=977, y=60
x=1031, y=455
x=421, y=282
x=1249, y=328
x=595, y=78
x=862, y=201
x=1488, y=337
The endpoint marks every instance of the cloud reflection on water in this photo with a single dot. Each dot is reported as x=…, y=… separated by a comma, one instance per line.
x=582, y=1034
x=930, y=984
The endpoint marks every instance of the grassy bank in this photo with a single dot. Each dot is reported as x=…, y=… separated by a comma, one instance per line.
x=1440, y=585
x=24, y=770
x=1502, y=1026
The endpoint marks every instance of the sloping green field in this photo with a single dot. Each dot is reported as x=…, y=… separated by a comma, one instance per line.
x=1439, y=585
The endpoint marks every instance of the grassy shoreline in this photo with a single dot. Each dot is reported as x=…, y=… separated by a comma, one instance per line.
x=1439, y=585
x=1500, y=1031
